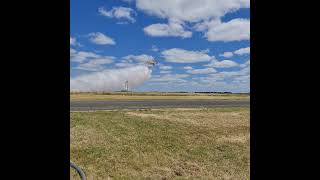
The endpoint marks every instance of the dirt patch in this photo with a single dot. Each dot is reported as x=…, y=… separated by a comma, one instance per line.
x=143, y=115
x=208, y=119
x=235, y=139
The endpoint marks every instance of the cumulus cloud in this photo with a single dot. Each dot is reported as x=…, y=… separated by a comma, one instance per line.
x=202, y=71
x=124, y=64
x=226, y=54
x=165, y=67
x=242, y=51
x=234, y=30
x=187, y=67
x=143, y=58
x=177, y=55
x=232, y=74
x=101, y=39
x=165, y=72
x=169, y=78
x=89, y=61
x=191, y=10
x=110, y=80
x=74, y=42
x=154, y=48
x=81, y=56
x=96, y=64
x=222, y=64
x=72, y=51
x=212, y=82
x=203, y=13
x=237, y=80
x=174, y=29
x=134, y=60
x=246, y=64
x=123, y=13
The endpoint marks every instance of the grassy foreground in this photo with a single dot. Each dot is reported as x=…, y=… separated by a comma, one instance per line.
x=162, y=144
x=152, y=96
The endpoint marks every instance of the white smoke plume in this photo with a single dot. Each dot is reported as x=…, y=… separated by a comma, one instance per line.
x=111, y=80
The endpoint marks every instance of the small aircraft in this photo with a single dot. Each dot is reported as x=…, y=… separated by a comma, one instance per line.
x=151, y=62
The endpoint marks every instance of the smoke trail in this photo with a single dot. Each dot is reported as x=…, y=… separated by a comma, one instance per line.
x=110, y=80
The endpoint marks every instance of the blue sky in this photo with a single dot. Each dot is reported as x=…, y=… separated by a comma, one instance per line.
x=203, y=46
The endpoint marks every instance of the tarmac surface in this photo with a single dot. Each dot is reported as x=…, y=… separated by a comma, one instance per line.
x=154, y=104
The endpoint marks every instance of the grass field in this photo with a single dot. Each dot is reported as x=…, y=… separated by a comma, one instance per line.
x=162, y=144
x=144, y=96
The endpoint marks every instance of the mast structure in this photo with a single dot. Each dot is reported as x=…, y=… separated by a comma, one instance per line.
x=127, y=85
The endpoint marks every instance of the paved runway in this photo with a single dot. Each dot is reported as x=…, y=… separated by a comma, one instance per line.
x=148, y=104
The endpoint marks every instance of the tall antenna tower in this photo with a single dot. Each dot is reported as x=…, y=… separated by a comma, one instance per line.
x=127, y=85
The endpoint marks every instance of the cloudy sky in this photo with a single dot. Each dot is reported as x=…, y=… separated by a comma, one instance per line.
x=200, y=45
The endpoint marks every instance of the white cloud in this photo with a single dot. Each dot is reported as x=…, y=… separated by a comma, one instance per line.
x=222, y=64
x=246, y=64
x=202, y=71
x=101, y=39
x=165, y=72
x=202, y=12
x=191, y=10
x=134, y=60
x=174, y=29
x=177, y=55
x=89, y=58
x=110, y=80
x=243, y=51
x=209, y=83
x=232, y=81
x=187, y=67
x=89, y=61
x=203, y=26
x=232, y=74
x=237, y=80
x=124, y=64
x=242, y=79
x=72, y=41
x=143, y=58
x=154, y=48
x=96, y=64
x=72, y=51
x=227, y=54
x=169, y=78
x=165, y=67
x=82, y=56
x=234, y=30
x=119, y=13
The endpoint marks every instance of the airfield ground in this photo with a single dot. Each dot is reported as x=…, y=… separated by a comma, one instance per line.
x=92, y=101
x=177, y=136
x=195, y=143
x=154, y=96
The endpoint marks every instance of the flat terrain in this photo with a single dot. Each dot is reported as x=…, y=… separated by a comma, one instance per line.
x=154, y=96
x=201, y=143
x=149, y=103
x=91, y=101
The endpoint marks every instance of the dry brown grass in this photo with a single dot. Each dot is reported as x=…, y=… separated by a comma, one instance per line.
x=154, y=96
x=162, y=144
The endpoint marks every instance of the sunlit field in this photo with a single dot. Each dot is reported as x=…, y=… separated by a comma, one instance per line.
x=155, y=96
x=162, y=144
